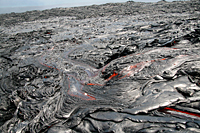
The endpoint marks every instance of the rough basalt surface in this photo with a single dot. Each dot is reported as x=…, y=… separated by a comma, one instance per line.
x=117, y=67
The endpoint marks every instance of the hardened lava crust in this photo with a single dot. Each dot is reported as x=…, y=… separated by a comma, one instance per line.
x=117, y=67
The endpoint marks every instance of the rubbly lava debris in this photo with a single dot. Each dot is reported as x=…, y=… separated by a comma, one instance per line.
x=101, y=68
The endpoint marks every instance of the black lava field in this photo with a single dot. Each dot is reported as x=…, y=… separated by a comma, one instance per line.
x=117, y=67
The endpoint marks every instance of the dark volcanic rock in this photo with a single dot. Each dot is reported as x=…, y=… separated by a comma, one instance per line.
x=109, y=9
x=117, y=67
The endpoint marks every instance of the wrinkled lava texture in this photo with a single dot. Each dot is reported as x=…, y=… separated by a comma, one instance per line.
x=123, y=67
